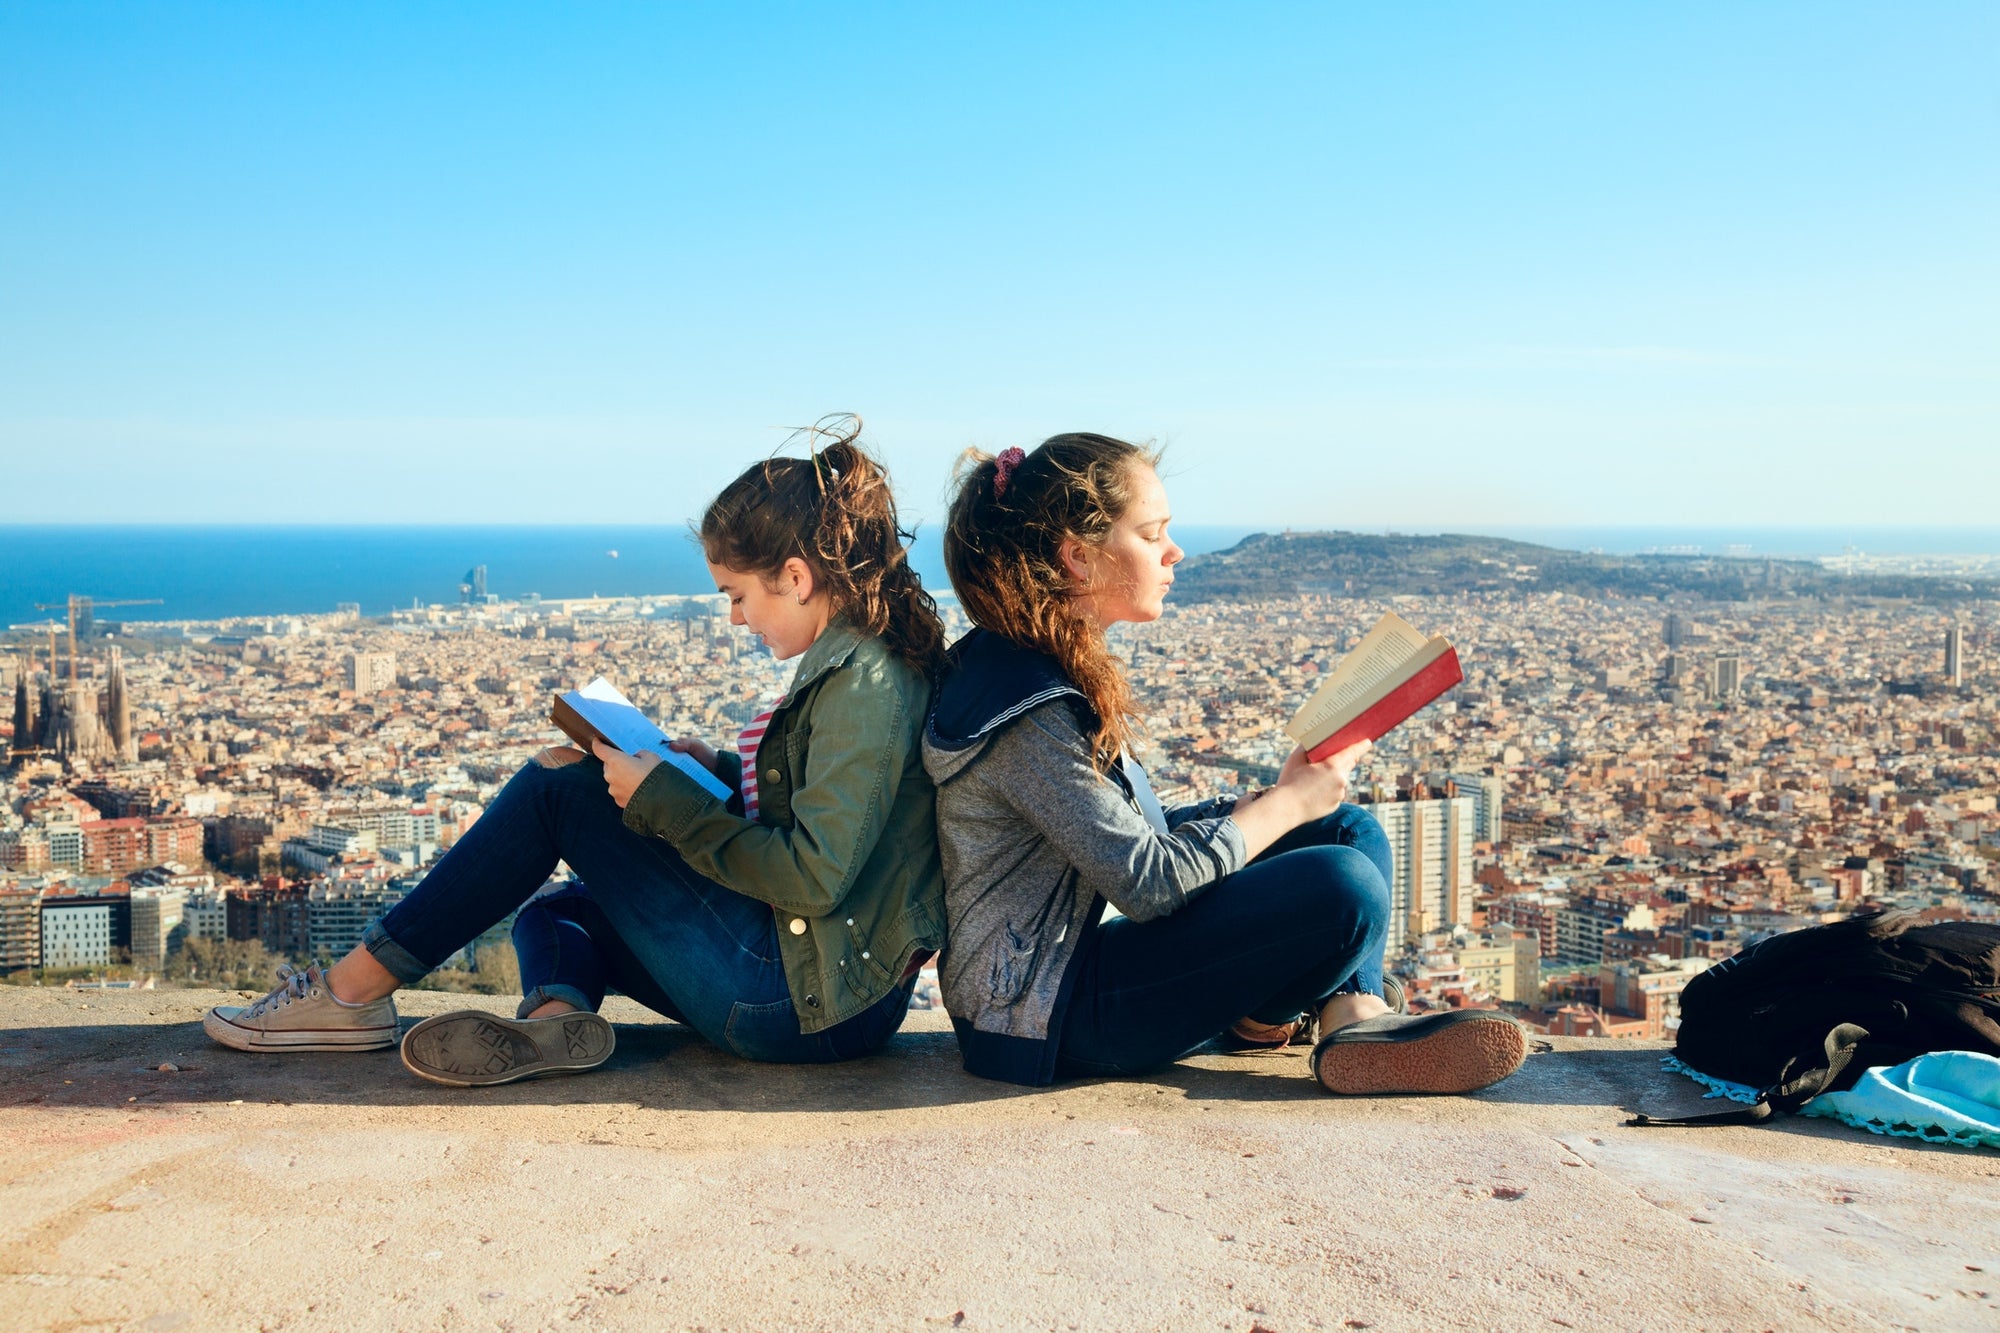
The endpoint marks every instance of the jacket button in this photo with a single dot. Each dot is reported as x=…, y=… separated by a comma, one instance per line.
x=798, y=925
x=850, y=921
x=866, y=954
x=773, y=775
x=812, y=1001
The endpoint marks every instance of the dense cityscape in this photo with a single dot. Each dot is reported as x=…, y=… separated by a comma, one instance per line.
x=1621, y=793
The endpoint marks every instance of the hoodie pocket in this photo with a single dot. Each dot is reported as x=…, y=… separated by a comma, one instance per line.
x=1014, y=958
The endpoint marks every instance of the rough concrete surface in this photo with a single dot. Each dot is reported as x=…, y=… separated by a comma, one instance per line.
x=682, y=1188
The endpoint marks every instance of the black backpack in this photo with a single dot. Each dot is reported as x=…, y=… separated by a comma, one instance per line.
x=1807, y=1012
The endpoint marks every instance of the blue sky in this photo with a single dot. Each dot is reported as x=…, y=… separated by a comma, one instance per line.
x=1357, y=265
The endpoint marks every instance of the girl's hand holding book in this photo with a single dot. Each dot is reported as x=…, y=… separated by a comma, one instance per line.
x=1322, y=785
x=1305, y=791
x=700, y=751
x=624, y=772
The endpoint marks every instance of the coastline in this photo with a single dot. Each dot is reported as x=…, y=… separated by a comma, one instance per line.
x=207, y=572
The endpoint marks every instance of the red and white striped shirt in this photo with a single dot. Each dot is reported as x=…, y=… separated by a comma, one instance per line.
x=746, y=746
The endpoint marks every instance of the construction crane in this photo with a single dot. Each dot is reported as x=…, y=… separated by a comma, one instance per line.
x=85, y=607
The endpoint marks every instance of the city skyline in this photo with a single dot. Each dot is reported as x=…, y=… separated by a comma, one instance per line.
x=1620, y=790
x=1356, y=269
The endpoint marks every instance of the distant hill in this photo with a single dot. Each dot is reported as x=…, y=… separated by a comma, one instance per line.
x=1355, y=564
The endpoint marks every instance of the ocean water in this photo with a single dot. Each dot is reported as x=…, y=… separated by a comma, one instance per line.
x=208, y=573
x=1782, y=542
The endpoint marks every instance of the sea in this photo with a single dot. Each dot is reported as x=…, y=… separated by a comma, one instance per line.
x=222, y=572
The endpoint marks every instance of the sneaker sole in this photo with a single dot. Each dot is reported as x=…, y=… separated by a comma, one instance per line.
x=1463, y=1052
x=471, y=1049
x=238, y=1037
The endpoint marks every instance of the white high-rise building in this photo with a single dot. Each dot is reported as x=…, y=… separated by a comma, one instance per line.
x=1725, y=676
x=65, y=838
x=206, y=917
x=1486, y=793
x=393, y=826
x=156, y=925
x=76, y=932
x=20, y=925
x=1432, y=844
x=370, y=673
x=336, y=914
x=1954, y=656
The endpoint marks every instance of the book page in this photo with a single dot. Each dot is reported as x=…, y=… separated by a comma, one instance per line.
x=605, y=707
x=1376, y=660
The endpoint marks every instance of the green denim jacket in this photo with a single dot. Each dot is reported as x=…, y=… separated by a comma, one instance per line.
x=844, y=846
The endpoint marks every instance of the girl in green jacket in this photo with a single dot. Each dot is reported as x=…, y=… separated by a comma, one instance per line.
x=785, y=924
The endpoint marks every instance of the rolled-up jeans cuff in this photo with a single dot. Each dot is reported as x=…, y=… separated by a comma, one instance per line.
x=541, y=995
x=401, y=964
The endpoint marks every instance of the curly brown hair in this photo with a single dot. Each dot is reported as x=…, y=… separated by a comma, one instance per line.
x=834, y=510
x=1002, y=548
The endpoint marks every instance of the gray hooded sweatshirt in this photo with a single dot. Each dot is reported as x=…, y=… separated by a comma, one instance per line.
x=1034, y=842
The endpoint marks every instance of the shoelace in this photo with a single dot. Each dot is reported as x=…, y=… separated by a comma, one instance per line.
x=293, y=984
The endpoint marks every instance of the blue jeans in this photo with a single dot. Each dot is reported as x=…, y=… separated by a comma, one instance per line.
x=1302, y=923
x=648, y=924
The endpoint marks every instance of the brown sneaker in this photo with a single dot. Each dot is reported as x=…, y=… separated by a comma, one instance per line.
x=470, y=1048
x=1460, y=1050
x=1246, y=1036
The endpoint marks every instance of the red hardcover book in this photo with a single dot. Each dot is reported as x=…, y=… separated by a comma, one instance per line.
x=1393, y=672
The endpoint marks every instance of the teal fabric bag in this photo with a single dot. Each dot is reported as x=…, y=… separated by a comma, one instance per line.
x=1942, y=1097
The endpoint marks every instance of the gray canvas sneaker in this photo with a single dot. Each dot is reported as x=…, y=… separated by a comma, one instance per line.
x=470, y=1048
x=302, y=1015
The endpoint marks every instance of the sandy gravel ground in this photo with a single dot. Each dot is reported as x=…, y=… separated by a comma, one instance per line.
x=682, y=1188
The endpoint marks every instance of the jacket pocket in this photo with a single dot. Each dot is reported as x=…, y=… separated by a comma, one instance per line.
x=1014, y=958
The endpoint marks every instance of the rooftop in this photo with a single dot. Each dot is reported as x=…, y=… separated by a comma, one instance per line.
x=679, y=1187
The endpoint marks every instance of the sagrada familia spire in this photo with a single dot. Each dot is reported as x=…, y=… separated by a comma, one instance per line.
x=26, y=724
x=118, y=712
x=73, y=719
x=73, y=729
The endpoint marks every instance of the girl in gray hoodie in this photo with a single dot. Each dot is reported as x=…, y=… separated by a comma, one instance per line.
x=1249, y=918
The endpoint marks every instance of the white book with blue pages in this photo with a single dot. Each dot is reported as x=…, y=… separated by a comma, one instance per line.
x=600, y=711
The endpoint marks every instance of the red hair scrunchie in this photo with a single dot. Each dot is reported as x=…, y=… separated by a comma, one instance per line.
x=1003, y=469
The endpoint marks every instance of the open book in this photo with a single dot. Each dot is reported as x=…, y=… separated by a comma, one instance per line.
x=1392, y=672
x=599, y=711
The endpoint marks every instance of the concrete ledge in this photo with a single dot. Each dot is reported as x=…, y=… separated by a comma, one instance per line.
x=682, y=1188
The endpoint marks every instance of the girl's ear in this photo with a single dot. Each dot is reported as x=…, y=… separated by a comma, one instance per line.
x=1075, y=557
x=802, y=582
